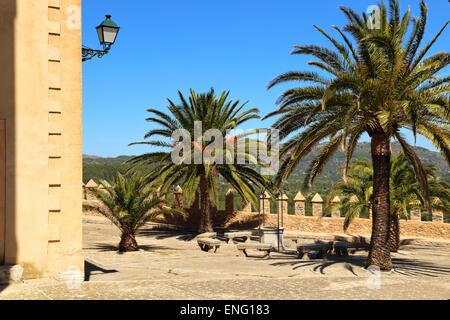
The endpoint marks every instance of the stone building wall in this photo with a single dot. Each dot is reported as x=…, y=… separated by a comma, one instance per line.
x=40, y=86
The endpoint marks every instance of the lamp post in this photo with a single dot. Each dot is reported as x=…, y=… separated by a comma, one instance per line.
x=107, y=32
x=277, y=195
x=261, y=199
x=267, y=186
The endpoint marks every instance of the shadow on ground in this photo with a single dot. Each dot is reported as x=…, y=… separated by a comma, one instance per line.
x=91, y=268
x=102, y=247
x=164, y=234
x=413, y=267
x=349, y=263
x=404, y=266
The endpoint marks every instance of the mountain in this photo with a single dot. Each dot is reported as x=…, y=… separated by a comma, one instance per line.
x=89, y=160
x=332, y=169
x=97, y=167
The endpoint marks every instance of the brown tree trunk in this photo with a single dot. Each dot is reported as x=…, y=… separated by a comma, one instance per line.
x=394, y=233
x=128, y=243
x=379, y=253
x=205, y=218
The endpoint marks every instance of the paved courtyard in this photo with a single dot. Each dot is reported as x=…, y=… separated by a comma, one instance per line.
x=171, y=266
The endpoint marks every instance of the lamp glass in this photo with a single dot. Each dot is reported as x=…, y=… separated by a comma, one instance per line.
x=109, y=34
x=100, y=34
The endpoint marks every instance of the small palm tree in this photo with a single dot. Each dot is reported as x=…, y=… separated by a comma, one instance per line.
x=404, y=188
x=440, y=190
x=213, y=112
x=355, y=192
x=128, y=203
x=379, y=86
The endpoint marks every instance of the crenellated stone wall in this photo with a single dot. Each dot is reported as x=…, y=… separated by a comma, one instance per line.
x=299, y=221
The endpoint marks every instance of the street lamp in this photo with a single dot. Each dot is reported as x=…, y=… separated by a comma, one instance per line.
x=107, y=32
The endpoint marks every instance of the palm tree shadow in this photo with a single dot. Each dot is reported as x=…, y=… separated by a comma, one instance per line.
x=413, y=267
x=347, y=266
x=320, y=265
x=90, y=268
x=403, y=266
x=102, y=247
x=165, y=234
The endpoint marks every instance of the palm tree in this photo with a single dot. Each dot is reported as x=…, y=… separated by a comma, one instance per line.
x=128, y=203
x=440, y=191
x=380, y=86
x=356, y=193
x=404, y=188
x=213, y=113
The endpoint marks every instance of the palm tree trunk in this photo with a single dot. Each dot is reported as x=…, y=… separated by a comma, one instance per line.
x=205, y=217
x=128, y=243
x=379, y=253
x=394, y=235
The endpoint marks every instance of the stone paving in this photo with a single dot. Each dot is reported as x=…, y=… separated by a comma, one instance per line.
x=170, y=265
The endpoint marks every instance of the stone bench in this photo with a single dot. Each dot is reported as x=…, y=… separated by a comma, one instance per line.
x=207, y=244
x=266, y=247
x=10, y=273
x=341, y=248
x=243, y=234
x=322, y=248
x=353, y=247
x=311, y=237
x=207, y=235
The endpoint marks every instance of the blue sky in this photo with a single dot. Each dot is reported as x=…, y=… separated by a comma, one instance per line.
x=169, y=45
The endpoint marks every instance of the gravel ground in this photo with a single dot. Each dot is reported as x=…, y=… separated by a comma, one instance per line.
x=171, y=266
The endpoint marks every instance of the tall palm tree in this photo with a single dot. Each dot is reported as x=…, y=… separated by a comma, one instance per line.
x=128, y=203
x=380, y=86
x=214, y=112
x=356, y=193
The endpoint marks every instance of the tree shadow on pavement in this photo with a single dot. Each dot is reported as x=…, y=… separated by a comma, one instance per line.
x=320, y=265
x=403, y=266
x=164, y=234
x=102, y=247
x=413, y=267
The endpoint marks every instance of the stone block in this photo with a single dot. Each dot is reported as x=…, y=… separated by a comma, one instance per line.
x=11, y=273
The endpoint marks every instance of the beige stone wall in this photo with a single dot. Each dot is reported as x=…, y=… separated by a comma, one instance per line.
x=65, y=140
x=246, y=220
x=2, y=188
x=358, y=226
x=41, y=57
x=301, y=223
